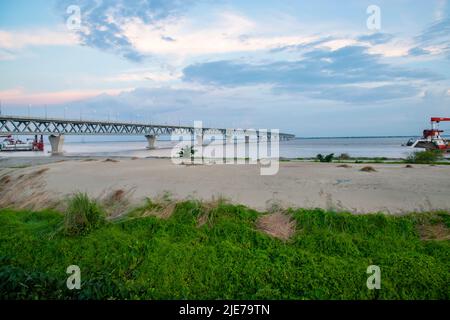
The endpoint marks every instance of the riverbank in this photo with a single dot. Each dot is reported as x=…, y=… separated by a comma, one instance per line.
x=220, y=251
x=389, y=188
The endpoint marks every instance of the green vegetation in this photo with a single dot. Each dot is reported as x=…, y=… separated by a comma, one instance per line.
x=82, y=216
x=187, y=151
x=327, y=158
x=429, y=156
x=344, y=156
x=215, y=251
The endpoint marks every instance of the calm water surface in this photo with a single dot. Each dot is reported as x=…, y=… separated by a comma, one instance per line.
x=355, y=147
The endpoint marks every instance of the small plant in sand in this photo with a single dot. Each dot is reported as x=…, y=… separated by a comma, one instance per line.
x=327, y=158
x=368, y=169
x=187, y=151
x=425, y=157
x=344, y=156
x=82, y=215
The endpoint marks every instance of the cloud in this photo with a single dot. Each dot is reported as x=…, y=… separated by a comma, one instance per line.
x=377, y=43
x=359, y=94
x=157, y=76
x=14, y=40
x=166, y=38
x=259, y=107
x=303, y=46
x=226, y=32
x=7, y=54
x=102, y=21
x=436, y=37
x=417, y=51
x=376, y=38
x=19, y=96
x=319, y=71
x=139, y=29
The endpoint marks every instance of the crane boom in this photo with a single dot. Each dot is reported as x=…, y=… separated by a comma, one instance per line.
x=431, y=138
x=439, y=119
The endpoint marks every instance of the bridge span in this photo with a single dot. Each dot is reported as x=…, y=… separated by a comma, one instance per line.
x=56, y=129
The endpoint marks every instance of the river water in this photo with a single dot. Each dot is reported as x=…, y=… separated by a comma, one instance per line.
x=389, y=147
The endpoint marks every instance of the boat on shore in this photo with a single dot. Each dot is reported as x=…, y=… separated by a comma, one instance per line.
x=11, y=144
x=432, y=138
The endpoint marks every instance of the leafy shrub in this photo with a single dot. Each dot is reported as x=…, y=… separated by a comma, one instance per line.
x=429, y=156
x=82, y=215
x=344, y=156
x=368, y=169
x=327, y=158
x=187, y=151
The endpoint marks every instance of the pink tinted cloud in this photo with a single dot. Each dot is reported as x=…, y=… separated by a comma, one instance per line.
x=20, y=96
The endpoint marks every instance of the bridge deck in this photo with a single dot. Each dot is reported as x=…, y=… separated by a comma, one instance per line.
x=18, y=125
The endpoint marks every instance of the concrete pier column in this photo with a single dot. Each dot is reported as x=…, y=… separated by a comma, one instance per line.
x=57, y=144
x=151, y=141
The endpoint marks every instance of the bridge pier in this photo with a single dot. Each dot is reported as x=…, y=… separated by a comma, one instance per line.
x=57, y=144
x=151, y=139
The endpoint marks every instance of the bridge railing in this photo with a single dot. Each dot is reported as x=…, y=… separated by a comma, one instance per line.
x=54, y=126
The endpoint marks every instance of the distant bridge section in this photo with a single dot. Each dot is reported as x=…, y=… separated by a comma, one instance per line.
x=56, y=129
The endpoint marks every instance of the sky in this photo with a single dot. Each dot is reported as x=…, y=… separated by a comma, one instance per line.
x=312, y=68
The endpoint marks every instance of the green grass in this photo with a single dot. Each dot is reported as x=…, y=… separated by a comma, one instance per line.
x=425, y=157
x=82, y=216
x=227, y=258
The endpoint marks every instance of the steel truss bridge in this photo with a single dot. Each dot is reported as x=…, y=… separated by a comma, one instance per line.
x=57, y=128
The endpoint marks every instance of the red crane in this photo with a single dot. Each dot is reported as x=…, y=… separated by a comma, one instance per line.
x=438, y=119
x=432, y=139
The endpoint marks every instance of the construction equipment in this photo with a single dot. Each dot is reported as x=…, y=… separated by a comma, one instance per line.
x=11, y=144
x=432, y=139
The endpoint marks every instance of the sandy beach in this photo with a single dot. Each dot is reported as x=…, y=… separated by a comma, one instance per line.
x=392, y=188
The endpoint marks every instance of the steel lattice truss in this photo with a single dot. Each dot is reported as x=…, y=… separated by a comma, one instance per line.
x=30, y=126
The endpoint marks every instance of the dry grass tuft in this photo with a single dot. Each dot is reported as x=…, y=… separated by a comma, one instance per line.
x=110, y=160
x=39, y=172
x=162, y=207
x=279, y=225
x=368, y=169
x=116, y=203
x=344, y=166
x=134, y=158
x=5, y=180
x=438, y=231
x=274, y=206
x=117, y=195
x=26, y=191
x=208, y=209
